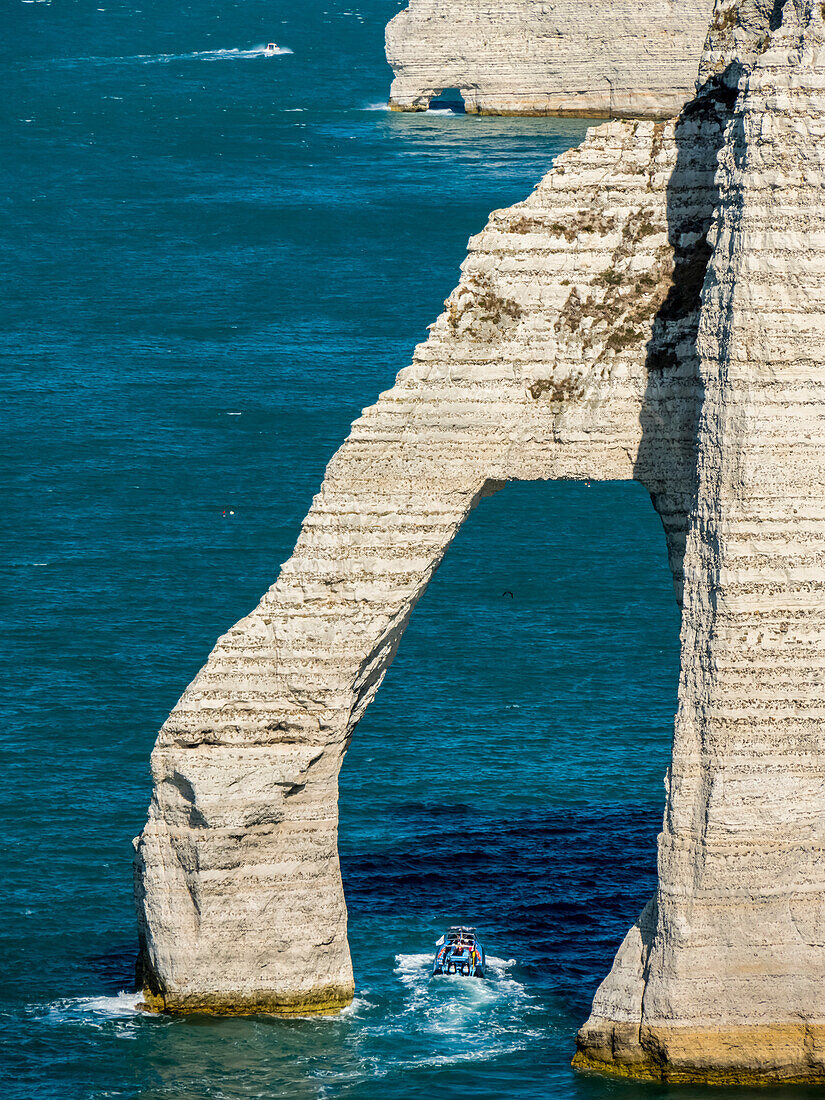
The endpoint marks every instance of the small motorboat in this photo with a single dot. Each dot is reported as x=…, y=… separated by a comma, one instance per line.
x=271, y=49
x=459, y=952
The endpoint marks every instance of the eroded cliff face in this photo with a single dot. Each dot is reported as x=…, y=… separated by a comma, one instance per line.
x=566, y=351
x=608, y=59
x=595, y=333
x=722, y=978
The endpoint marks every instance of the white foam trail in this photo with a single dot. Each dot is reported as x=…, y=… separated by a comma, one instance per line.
x=468, y=994
x=234, y=54
x=221, y=55
x=442, y=1021
x=466, y=1019
x=413, y=964
x=499, y=965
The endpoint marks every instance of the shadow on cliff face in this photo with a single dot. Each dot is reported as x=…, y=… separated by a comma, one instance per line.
x=674, y=396
x=672, y=409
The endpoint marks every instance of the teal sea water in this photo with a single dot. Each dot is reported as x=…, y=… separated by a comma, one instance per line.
x=211, y=262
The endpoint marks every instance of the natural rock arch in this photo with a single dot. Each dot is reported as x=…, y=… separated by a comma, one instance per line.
x=538, y=368
x=573, y=347
x=607, y=58
x=452, y=98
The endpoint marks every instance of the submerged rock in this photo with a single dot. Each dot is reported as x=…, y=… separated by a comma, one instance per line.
x=611, y=58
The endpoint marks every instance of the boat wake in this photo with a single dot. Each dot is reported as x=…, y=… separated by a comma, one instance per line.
x=464, y=1019
x=437, y=1022
x=168, y=58
x=415, y=972
x=222, y=55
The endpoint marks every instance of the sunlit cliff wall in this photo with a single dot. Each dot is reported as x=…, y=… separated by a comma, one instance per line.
x=606, y=58
x=654, y=310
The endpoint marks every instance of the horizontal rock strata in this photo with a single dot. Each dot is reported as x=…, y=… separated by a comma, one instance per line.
x=566, y=351
x=723, y=976
x=654, y=310
x=607, y=59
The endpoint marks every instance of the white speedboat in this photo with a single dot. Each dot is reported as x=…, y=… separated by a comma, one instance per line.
x=271, y=49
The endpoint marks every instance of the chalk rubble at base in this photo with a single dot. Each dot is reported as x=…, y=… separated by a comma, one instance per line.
x=595, y=334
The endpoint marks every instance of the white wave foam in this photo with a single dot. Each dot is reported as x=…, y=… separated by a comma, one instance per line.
x=376, y=107
x=413, y=964
x=357, y=1007
x=500, y=964
x=122, y=1006
x=464, y=1019
x=466, y=994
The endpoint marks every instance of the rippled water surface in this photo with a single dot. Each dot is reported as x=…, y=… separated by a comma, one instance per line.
x=212, y=261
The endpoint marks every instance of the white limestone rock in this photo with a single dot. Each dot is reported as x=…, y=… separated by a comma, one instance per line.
x=734, y=967
x=605, y=58
x=566, y=351
x=595, y=333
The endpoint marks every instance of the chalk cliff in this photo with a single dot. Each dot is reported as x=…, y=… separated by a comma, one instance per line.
x=538, y=368
x=641, y=315
x=723, y=975
x=607, y=58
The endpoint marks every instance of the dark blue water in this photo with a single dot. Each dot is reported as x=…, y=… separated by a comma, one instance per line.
x=211, y=262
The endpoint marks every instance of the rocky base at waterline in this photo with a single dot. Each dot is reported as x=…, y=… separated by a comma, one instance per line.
x=248, y=999
x=607, y=59
x=792, y=1053
x=317, y=1002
